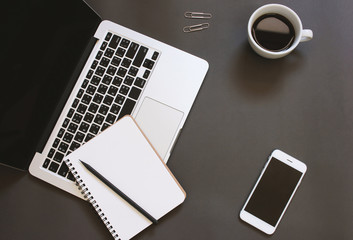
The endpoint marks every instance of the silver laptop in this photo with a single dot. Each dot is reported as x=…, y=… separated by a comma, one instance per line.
x=94, y=73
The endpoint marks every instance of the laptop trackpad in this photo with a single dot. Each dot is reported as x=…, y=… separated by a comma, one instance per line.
x=160, y=123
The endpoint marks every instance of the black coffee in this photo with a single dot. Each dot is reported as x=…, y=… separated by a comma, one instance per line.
x=273, y=32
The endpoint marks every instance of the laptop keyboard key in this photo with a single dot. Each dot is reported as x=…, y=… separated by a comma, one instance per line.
x=119, y=99
x=98, y=98
x=133, y=71
x=155, y=56
x=58, y=157
x=88, y=117
x=116, y=61
x=46, y=163
x=66, y=122
x=127, y=108
x=82, y=108
x=68, y=137
x=128, y=80
x=77, y=118
x=140, y=82
x=126, y=63
x=124, y=43
x=94, y=64
x=135, y=93
x=72, y=127
x=53, y=166
x=109, y=53
x=114, y=42
x=84, y=84
x=102, y=89
x=79, y=137
x=141, y=54
x=148, y=64
x=63, y=147
x=89, y=74
x=99, y=120
x=99, y=55
x=103, y=110
x=80, y=93
x=122, y=72
x=71, y=112
x=108, y=36
x=117, y=81
x=61, y=132
x=63, y=170
x=112, y=91
x=75, y=103
x=108, y=99
x=74, y=146
x=124, y=89
x=104, y=62
x=110, y=118
x=56, y=142
x=86, y=99
x=94, y=129
x=115, y=109
x=93, y=108
x=95, y=80
x=104, y=45
x=132, y=50
x=146, y=74
x=100, y=71
x=107, y=79
x=84, y=127
x=51, y=153
x=120, y=52
x=91, y=89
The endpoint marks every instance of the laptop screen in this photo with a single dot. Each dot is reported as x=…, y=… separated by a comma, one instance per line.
x=44, y=41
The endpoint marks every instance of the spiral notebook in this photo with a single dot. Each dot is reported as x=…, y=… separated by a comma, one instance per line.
x=124, y=156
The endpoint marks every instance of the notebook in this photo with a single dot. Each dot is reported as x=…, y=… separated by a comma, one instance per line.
x=124, y=156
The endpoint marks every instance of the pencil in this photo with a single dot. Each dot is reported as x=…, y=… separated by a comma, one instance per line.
x=120, y=193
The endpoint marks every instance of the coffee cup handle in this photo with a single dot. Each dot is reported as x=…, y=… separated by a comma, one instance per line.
x=307, y=35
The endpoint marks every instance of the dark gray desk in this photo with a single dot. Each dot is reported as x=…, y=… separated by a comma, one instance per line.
x=247, y=106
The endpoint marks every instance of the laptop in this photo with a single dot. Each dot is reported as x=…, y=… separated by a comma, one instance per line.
x=68, y=75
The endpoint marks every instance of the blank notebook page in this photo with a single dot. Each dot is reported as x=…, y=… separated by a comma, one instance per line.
x=124, y=156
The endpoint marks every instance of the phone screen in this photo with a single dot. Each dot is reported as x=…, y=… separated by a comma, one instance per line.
x=273, y=191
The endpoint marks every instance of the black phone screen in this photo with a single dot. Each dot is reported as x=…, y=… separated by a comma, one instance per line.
x=273, y=192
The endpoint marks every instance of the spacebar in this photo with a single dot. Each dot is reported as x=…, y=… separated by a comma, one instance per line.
x=127, y=108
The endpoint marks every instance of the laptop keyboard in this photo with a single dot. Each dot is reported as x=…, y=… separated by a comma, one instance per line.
x=110, y=91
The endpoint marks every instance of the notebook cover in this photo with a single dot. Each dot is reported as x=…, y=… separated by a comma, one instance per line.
x=124, y=156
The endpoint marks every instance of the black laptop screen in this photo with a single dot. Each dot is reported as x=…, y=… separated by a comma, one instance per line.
x=44, y=41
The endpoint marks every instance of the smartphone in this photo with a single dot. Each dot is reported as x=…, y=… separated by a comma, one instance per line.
x=273, y=191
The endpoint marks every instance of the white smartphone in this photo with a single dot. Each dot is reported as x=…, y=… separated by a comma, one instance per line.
x=273, y=191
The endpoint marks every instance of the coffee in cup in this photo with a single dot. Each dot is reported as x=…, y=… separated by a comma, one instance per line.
x=275, y=30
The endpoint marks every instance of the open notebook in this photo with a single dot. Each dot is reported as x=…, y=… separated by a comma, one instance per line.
x=124, y=156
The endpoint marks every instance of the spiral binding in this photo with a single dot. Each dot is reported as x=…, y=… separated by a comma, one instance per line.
x=88, y=196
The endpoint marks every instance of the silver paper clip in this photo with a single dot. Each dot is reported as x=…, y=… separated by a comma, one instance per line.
x=197, y=15
x=197, y=27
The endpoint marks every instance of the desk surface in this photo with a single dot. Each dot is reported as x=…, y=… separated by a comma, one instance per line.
x=247, y=106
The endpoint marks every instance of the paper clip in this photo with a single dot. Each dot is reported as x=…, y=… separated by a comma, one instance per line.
x=197, y=27
x=197, y=15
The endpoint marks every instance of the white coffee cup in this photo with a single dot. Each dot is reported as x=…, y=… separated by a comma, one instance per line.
x=301, y=35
